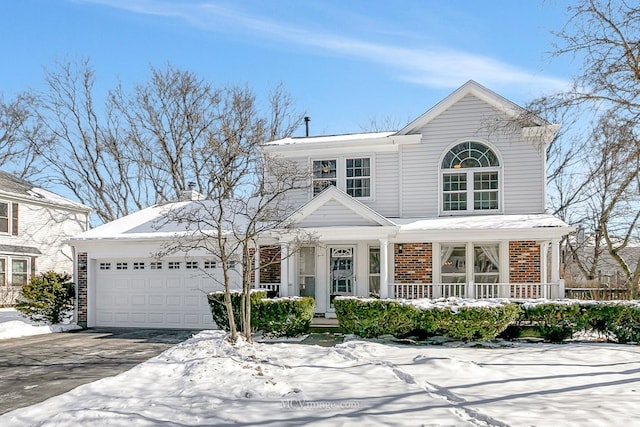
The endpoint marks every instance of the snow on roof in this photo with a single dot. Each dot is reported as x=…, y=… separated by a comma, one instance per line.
x=482, y=222
x=331, y=138
x=158, y=221
x=11, y=185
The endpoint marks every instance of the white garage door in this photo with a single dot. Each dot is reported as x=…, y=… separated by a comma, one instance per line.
x=154, y=294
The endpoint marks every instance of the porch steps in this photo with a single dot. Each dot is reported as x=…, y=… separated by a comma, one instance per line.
x=323, y=324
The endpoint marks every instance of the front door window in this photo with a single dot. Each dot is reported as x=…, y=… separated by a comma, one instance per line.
x=341, y=270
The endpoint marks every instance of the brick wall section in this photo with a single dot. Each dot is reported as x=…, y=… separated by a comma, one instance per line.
x=524, y=262
x=413, y=262
x=269, y=273
x=81, y=282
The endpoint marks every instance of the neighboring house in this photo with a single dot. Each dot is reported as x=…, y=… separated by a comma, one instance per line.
x=453, y=204
x=34, y=226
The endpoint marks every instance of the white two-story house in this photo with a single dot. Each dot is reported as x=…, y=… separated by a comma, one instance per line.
x=453, y=204
x=34, y=226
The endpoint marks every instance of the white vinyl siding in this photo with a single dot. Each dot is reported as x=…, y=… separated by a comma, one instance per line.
x=522, y=163
x=334, y=213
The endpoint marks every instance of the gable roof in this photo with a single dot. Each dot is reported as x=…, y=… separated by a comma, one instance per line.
x=14, y=187
x=350, y=212
x=470, y=88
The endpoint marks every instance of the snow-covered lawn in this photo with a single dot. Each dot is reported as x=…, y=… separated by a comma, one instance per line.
x=205, y=381
x=14, y=324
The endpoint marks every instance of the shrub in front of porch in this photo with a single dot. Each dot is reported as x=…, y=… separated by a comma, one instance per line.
x=276, y=317
x=219, y=310
x=371, y=317
x=471, y=321
x=555, y=320
x=288, y=316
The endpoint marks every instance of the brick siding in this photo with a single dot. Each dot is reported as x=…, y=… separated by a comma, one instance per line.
x=268, y=273
x=413, y=262
x=81, y=282
x=524, y=261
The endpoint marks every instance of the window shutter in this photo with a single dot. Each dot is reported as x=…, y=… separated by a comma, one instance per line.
x=14, y=221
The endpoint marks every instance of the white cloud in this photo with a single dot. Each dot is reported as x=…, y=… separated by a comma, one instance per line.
x=436, y=66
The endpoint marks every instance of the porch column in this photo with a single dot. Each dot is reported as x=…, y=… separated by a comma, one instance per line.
x=384, y=268
x=555, y=261
x=284, y=269
x=256, y=267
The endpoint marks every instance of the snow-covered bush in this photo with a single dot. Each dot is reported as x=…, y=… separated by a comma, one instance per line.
x=371, y=317
x=219, y=310
x=288, y=316
x=472, y=322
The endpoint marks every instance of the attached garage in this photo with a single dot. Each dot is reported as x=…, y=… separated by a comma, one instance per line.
x=122, y=281
x=154, y=294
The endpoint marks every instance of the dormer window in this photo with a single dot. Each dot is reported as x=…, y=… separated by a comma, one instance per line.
x=351, y=175
x=470, y=179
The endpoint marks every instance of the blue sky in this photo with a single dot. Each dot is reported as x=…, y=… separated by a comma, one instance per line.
x=344, y=62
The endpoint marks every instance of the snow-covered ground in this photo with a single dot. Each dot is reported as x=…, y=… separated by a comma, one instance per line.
x=206, y=382
x=14, y=324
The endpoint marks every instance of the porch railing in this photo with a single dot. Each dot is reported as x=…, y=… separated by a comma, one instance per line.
x=269, y=287
x=476, y=290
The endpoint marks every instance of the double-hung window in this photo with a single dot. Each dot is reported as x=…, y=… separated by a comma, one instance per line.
x=470, y=179
x=351, y=175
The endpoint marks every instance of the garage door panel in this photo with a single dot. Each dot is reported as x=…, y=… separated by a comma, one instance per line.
x=153, y=298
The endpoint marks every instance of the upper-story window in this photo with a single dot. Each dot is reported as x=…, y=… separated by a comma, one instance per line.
x=470, y=178
x=9, y=218
x=352, y=175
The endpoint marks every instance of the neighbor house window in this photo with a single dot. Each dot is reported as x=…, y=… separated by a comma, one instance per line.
x=4, y=217
x=470, y=179
x=351, y=175
x=3, y=271
x=19, y=272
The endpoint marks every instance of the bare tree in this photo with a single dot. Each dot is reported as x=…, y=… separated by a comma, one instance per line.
x=593, y=177
x=248, y=205
x=20, y=136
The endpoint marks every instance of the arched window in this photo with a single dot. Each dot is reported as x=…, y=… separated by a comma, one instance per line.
x=470, y=178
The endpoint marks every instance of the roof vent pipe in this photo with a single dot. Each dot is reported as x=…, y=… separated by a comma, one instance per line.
x=307, y=119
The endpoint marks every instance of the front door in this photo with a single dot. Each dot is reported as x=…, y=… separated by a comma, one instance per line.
x=341, y=272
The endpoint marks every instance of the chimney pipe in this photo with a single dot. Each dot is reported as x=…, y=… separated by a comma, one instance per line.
x=307, y=119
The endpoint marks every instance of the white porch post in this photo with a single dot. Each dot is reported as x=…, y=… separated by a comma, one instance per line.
x=384, y=268
x=555, y=260
x=555, y=265
x=256, y=268
x=284, y=270
x=291, y=273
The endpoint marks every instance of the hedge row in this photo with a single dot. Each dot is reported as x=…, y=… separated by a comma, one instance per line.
x=559, y=320
x=273, y=316
x=368, y=317
x=458, y=319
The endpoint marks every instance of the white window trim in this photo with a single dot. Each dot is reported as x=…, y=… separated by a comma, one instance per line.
x=341, y=172
x=470, y=191
x=503, y=268
x=9, y=268
x=9, y=218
